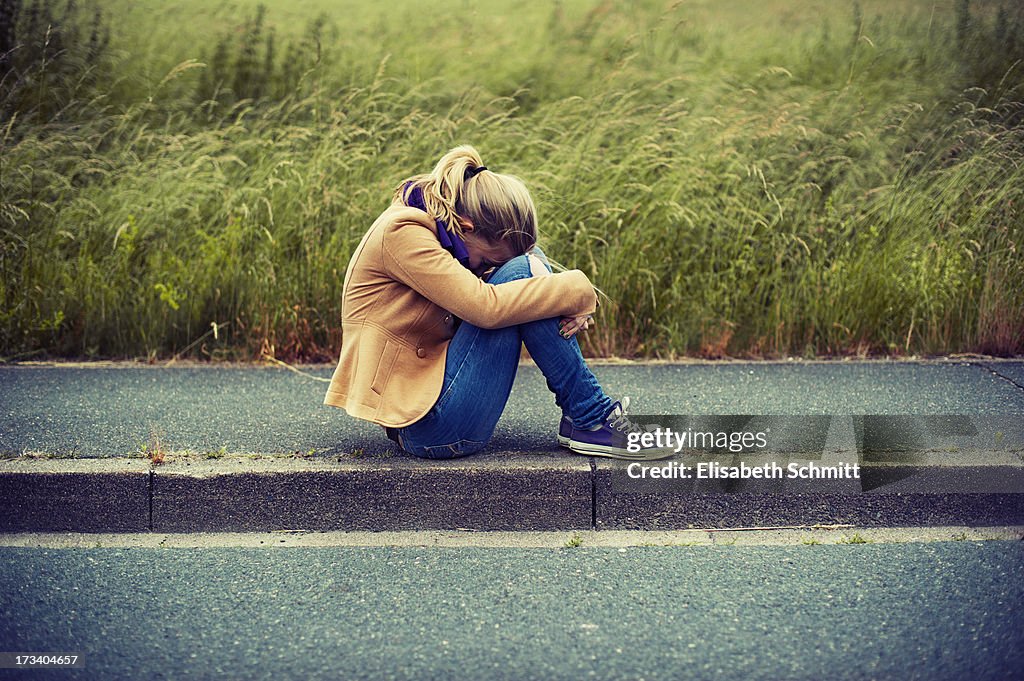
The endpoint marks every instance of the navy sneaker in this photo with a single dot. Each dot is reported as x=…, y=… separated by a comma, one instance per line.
x=611, y=438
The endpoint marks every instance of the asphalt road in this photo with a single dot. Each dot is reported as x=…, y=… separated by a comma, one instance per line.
x=116, y=411
x=950, y=610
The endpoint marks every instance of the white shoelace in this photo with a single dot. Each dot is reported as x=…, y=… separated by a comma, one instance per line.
x=621, y=422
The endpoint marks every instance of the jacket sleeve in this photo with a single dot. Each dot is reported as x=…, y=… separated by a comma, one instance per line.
x=413, y=256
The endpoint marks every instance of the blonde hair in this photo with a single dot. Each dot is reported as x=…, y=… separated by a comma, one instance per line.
x=499, y=206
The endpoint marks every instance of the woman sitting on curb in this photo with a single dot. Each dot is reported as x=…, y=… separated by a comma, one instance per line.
x=439, y=296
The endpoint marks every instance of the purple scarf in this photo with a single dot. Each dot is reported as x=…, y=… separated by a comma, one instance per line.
x=450, y=241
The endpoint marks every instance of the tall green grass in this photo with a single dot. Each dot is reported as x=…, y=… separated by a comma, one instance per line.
x=741, y=179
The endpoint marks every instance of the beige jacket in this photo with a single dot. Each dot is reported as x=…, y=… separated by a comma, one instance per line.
x=400, y=294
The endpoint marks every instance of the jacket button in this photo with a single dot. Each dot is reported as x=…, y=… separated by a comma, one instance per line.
x=447, y=318
x=421, y=353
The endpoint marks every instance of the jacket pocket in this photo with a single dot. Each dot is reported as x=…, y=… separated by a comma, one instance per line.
x=384, y=367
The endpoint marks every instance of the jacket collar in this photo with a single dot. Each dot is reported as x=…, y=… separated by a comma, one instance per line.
x=449, y=238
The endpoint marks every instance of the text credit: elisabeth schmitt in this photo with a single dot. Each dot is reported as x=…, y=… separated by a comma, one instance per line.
x=734, y=442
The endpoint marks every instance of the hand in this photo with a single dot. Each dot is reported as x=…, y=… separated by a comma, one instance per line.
x=568, y=326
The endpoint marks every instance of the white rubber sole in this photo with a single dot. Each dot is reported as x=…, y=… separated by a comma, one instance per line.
x=587, y=449
x=613, y=453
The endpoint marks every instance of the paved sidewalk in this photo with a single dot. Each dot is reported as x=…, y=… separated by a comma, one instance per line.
x=115, y=411
x=250, y=449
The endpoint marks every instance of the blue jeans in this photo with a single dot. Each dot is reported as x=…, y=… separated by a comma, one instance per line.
x=480, y=367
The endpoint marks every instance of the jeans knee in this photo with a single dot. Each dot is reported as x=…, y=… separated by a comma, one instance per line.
x=516, y=268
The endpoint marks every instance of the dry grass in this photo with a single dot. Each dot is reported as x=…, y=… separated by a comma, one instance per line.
x=755, y=180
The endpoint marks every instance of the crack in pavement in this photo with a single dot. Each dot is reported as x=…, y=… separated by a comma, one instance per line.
x=999, y=375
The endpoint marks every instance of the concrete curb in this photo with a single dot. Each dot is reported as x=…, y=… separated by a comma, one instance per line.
x=84, y=495
x=515, y=492
x=192, y=494
x=499, y=491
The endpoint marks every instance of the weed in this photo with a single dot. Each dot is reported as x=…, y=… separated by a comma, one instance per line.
x=153, y=449
x=810, y=542
x=575, y=541
x=960, y=536
x=855, y=538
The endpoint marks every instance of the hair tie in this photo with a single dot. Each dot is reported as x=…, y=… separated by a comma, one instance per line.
x=473, y=172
